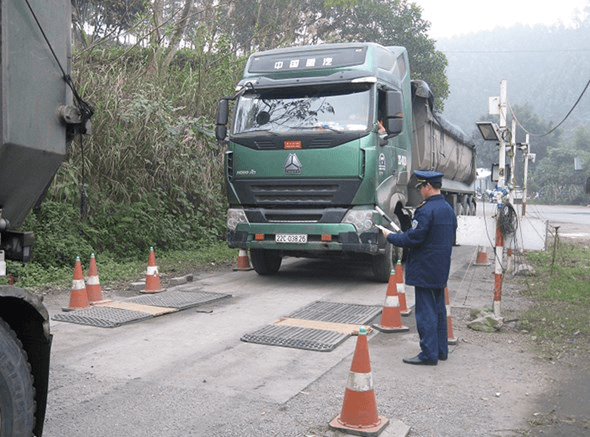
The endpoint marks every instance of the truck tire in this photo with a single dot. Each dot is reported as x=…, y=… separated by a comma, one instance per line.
x=384, y=263
x=17, y=404
x=472, y=206
x=265, y=261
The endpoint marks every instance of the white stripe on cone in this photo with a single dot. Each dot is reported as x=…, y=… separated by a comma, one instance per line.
x=360, y=381
x=78, y=284
x=391, y=301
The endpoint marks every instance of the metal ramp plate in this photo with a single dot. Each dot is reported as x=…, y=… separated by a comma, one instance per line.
x=295, y=337
x=337, y=312
x=178, y=299
x=320, y=326
x=114, y=313
x=103, y=317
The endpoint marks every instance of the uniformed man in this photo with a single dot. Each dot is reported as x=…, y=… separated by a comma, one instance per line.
x=430, y=242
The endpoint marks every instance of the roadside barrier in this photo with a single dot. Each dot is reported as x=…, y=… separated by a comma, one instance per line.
x=78, y=294
x=93, y=288
x=401, y=290
x=359, y=409
x=243, y=261
x=152, y=277
x=451, y=337
x=391, y=320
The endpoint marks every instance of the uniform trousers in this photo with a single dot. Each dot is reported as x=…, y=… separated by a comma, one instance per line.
x=431, y=321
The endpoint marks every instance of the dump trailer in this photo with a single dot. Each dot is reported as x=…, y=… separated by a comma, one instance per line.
x=37, y=119
x=322, y=142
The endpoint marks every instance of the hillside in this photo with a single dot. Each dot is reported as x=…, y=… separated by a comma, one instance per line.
x=545, y=68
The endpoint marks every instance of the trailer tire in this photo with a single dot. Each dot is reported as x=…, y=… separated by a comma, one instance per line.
x=265, y=261
x=17, y=394
x=472, y=206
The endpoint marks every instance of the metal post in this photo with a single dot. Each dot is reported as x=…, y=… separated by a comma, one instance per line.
x=526, y=173
x=498, y=278
x=512, y=185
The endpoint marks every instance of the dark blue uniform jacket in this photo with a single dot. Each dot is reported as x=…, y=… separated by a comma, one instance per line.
x=430, y=241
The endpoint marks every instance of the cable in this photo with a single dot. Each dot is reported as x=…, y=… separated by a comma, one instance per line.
x=508, y=219
x=85, y=109
x=86, y=112
x=560, y=123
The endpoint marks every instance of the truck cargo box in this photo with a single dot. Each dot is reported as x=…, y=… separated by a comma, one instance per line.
x=439, y=145
x=32, y=137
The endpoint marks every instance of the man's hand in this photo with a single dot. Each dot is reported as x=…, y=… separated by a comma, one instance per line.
x=384, y=231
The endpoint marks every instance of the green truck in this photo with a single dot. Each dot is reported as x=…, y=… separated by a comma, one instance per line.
x=38, y=119
x=322, y=147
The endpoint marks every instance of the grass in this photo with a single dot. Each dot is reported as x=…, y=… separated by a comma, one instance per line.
x=172, y=263
x=558, y=320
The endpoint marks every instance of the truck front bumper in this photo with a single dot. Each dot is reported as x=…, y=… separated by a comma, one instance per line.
x=257, y=237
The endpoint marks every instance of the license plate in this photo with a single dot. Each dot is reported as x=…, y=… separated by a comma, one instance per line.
x=291, y=238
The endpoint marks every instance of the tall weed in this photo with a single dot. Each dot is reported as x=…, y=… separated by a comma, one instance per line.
x=152, y=169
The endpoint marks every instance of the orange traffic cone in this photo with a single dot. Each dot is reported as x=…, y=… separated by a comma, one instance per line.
x=243, y=261
x=401, y=290
x=451, y=337
x=482, y=257
x=92, y=283
x=152, y=278
x=78, y=295
x=391, y=320
x=359, y=409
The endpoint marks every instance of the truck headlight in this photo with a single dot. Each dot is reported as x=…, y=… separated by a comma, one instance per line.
x=235, y=216
x=362, y=219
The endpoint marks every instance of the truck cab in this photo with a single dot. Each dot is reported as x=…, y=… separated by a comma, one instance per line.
x=319, y=152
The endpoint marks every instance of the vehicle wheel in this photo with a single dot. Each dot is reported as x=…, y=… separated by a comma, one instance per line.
x=384, y=263
x=17, y=404
x=265, y=261
x=465, y=205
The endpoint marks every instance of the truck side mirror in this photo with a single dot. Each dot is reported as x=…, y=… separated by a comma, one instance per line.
x=221, y=119
x=394, y=117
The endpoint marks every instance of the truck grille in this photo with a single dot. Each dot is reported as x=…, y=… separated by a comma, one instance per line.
x=264, y=194
x=295, y=215
x=285, y=193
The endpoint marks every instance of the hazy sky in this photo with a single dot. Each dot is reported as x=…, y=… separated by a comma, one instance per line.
x=457, y=17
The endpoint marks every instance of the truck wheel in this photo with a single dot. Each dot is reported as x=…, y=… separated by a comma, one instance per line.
x=383, y=264
x=472, y=206
x=17, y=404
x=265, y=261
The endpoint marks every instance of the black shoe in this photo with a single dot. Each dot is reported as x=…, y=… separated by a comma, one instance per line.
x=443, y=357
x=417, y=360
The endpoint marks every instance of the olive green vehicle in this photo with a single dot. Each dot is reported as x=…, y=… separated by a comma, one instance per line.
x=322, y=144
x=37, y=119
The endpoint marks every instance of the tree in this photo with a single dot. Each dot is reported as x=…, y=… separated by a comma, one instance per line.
x=556, y=178
x=389, y=22
x=105, y=18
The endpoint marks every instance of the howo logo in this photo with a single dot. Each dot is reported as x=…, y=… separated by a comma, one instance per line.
x=292, y=164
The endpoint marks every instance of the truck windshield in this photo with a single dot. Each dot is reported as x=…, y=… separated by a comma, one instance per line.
x=328, y=111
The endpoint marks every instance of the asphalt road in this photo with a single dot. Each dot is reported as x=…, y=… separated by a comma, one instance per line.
x=188, y=373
